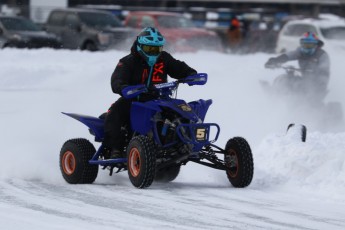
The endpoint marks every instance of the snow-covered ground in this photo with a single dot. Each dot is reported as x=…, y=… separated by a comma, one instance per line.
x=296, y=185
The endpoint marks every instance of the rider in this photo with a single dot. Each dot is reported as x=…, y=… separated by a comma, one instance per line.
x=146, y=64
x=314, y=64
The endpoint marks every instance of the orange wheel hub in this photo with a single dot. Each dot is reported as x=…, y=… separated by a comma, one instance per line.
x=68, y=163
x=134, y=162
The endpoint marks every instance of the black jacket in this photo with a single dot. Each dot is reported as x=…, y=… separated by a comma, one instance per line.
x=133, y=70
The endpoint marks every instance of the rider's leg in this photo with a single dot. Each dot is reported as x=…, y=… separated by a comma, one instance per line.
x=118, y=116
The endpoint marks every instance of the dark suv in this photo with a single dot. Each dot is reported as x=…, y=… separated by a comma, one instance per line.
x=89, y=29
x=20, y=32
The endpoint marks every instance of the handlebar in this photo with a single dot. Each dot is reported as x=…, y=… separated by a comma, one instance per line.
x=288, y=68
x=164, y=89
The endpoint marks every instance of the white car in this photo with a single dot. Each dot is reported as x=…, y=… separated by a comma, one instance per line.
x=330, y=29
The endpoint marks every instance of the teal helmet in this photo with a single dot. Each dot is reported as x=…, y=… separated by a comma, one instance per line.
x=150, y=44
x=309, y=43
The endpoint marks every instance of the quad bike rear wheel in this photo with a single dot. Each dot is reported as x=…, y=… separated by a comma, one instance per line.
x=239, y=162
x=168, y=174
x=74, y=161
x=141, y=161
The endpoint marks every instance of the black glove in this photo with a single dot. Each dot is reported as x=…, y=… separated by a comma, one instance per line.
x=151, y=94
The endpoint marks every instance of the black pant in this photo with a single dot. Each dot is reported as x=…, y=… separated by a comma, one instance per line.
x=118, y=116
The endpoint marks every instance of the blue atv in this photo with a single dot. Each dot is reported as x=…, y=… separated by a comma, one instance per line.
x=165, y=134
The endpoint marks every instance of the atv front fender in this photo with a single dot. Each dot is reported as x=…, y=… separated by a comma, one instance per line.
x=200, y=107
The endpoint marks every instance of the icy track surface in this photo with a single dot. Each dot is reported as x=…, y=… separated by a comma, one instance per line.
x=295, y=186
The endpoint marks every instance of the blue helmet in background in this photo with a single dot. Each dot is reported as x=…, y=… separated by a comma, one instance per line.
x=150, y=44
x=309, y=43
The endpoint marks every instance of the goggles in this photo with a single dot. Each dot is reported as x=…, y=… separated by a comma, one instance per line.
x=308, y=45
x=152, y=50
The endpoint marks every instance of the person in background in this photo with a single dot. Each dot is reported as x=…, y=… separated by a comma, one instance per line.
x=314, y=64
x=146, y=64
x=234, y=34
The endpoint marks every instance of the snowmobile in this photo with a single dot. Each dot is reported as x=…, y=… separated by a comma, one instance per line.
x=303, y=95
x=166, y=133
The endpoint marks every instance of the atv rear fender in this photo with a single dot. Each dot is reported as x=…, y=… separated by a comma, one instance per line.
x=95, y=124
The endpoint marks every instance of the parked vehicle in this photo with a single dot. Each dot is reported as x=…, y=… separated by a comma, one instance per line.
x=165, y=134
x=88, y=29
x=180, y=32
x=330, y=29
x=21, y=32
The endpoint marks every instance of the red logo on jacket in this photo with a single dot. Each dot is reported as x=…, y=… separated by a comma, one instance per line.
x=157, y=74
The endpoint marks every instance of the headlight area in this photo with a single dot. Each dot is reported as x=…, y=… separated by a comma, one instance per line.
x=103, y=38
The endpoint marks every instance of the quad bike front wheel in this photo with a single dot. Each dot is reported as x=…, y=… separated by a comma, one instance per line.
x=141, y=161
x=74, y=161
x=239, y=162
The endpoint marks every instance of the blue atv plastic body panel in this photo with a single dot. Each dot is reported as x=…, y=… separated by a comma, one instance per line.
x=95, y=124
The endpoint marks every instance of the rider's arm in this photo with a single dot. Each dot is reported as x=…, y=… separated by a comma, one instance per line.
x=274, y=61
x=120, y=77
x=285, y=57
x=293, y=55
x=177, y=69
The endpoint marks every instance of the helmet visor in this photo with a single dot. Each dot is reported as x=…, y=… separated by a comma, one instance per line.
x=152, y=50
x=308, y=45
